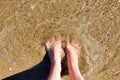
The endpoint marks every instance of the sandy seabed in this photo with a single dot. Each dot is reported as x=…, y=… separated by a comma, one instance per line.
x=25, y=25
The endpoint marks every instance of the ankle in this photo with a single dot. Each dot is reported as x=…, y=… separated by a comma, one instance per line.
x=73, y=58
x=56, y=66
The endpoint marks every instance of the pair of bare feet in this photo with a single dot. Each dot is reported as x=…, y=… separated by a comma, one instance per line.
x=54, y=48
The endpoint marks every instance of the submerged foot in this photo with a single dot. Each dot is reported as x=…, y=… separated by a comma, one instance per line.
x=73, y=50
x=53, y=48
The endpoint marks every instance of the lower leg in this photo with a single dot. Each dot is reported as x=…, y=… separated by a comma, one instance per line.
x=55, y=71
x=73, y=69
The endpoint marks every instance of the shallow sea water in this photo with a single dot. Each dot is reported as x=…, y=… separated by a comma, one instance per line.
x=25, y=25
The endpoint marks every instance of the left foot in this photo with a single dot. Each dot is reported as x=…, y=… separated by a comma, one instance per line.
x=54, y=50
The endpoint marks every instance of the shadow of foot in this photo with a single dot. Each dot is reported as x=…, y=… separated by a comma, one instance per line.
x=38, y=72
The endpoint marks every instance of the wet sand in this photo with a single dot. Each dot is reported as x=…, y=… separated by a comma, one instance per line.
x=25, y=25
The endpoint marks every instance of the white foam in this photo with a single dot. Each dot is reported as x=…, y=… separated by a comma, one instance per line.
x=33, y=6
x=10, y=69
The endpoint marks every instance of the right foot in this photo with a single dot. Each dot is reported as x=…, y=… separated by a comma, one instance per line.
x=73, y=51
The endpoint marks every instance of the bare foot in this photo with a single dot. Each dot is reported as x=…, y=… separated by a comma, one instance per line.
x=73, y=50
x=54, y=50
